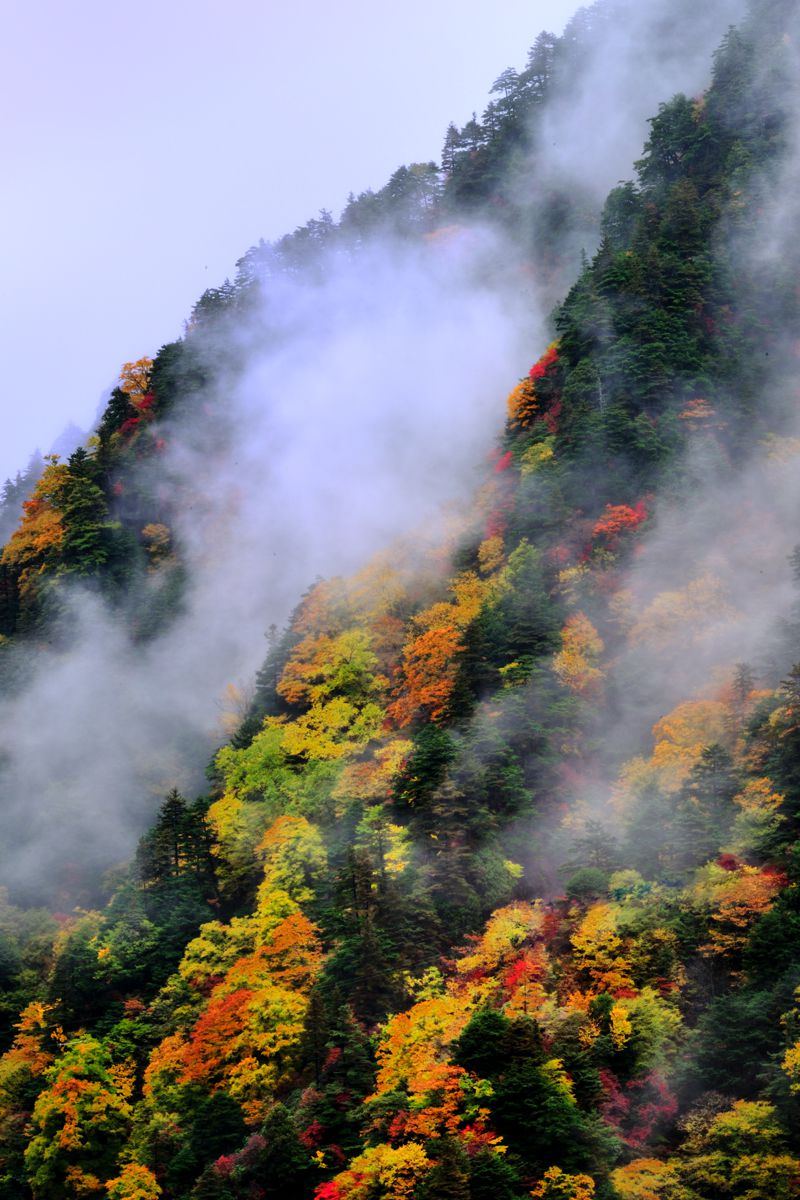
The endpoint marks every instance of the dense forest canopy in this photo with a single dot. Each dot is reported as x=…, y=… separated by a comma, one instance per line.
x=491, y=886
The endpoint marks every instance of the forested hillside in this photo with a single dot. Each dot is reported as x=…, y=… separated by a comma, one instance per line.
x=492, y=889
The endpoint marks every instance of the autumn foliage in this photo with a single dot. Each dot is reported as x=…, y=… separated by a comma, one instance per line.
x=523, y=403
x=492, y=892
x=618, y=519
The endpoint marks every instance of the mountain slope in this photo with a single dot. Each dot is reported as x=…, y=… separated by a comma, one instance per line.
x=494, y=888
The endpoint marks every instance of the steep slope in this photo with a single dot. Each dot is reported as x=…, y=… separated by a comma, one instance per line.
x=494, y=890
x=263, y=449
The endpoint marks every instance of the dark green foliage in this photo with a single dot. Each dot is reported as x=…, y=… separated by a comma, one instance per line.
x=87, y=533
x=482, y=1046
x=525, y=619
x=781, y=739
x=80, y=984
x=588, y=883
x=9, y=601
x=15, y=492
x=537, y=1118
x=673, y=148
x=648, y=843
x=450, y=1179
x=26, y=938
x=492, y=1177
x=177, y=378
x=176, y=869
x=211, y=1126
x=156, y=600
x=363, y=964
x=118, y=410
x=341, y=1057
x=284, y=1165
x=596, y=848
x=705, y=808
x=773, y=947
x=266, y=701
x=434, y=751
x=735, y=1038
x=178, y=844
x=212, y=1186
x=534, y=1113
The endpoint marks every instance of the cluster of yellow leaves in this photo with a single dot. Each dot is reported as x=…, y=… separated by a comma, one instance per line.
x=741, y=1154
x=581, y=647
x=294, y=858
x=325, y=608
x=790, y=1064
x=514, y=674
x=329, y=731
x=380, y=585
x=210, y=955
x=536, y=456
x=322, y=666
x=256, y=972
x=334, y=754
x=645, y=1021
x=414, y=1044
x=389, y=845
x=83, y=1185
x=646, y=1179
x=620, y=1025
x=253, y=769
x=260, y=783
x=490, y=555
x=397, y=852
x=134, y=380
x=657, y=955
x=393, y=1172
x=558, y=1185
x=680, y=738
x=575, y=582
x=349, y=638
x=238, y=826
x=336, y=679
x=368, y=599
x=599, y=950
x=38, y=1038
x=134, y=1182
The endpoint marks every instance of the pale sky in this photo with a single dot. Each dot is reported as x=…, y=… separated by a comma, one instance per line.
x=147, y=145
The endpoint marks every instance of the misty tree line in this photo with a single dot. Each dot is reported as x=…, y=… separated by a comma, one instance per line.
x=392, y=951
